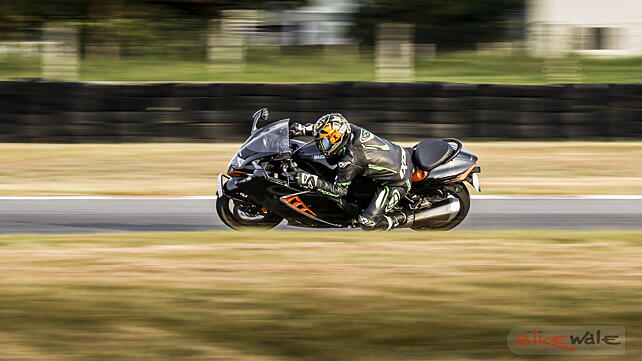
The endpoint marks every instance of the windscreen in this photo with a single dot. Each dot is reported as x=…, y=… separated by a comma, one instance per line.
x=271, y=139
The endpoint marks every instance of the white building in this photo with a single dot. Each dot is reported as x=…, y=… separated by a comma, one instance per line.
x=320, y=22
x=588, y=27
x=326, y=21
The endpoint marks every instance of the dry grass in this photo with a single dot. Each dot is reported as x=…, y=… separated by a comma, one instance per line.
x=191, y=169
x=560, y=167
x=315, y=296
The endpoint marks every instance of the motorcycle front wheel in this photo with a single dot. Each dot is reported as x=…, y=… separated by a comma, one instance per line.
x=233, y=216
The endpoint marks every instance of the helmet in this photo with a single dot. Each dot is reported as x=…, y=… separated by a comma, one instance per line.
x=332, y=133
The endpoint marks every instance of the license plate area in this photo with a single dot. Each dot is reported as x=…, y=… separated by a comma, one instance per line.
x=475, y=182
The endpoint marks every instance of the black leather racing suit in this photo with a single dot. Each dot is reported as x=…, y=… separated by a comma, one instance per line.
x=388, y=164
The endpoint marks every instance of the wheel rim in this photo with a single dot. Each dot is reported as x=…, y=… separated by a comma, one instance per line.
x=245, y=217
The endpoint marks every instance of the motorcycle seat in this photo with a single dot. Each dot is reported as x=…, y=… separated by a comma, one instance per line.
x=428, y=154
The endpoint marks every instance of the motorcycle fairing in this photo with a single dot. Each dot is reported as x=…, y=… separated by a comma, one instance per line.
x=310, y=159
x=271, y=139
x=295, y=202
x=269, y=194
x=453, y=168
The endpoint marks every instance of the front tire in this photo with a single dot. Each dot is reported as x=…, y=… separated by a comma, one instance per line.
x=230, y=212
x=459, y=191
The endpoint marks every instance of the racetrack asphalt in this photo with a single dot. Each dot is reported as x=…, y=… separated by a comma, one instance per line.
x=67, y=215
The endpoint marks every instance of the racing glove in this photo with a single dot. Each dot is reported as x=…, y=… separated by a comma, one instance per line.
x=297, y=129
x=307, y=180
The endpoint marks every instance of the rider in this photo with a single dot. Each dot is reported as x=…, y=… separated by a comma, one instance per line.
x=357, y=151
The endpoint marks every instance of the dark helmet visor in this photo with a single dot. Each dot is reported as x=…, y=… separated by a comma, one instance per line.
x=324, y=144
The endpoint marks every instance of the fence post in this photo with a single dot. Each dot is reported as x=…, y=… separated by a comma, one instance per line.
x=227, y=37
x=561, y=69
x=395, y=53
x=60, y=52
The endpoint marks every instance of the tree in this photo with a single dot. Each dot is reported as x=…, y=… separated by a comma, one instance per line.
x=448, y=23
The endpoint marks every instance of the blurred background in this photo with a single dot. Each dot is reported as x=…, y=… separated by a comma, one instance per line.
x=384, y=64
x=112, y=110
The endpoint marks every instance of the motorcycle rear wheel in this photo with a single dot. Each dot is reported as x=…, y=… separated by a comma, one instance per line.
x=232, y=216
x=459, y=191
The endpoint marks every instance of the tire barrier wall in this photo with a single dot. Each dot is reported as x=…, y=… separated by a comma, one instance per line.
x=119, y=112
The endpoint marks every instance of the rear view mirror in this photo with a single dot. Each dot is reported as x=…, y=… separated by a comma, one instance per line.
x=261, y=114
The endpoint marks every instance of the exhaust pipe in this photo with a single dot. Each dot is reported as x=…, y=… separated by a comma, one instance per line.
x=444, y=212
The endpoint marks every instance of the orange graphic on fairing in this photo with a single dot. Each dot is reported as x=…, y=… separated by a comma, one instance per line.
x=296, y=203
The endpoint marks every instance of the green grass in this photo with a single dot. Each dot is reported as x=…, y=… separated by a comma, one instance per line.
x=466, y=67
x=19, y=67
x=309, y=295
x=625, y=70
x=272, y=65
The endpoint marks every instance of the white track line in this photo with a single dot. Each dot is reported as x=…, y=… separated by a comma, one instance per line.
x=47, y=198
x=561, y=197
x=170, y=198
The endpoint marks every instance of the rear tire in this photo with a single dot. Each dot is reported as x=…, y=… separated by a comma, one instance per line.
x=233, y=217
x=459, y=191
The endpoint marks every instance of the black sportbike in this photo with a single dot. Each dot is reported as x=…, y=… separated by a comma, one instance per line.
x=259, y=189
